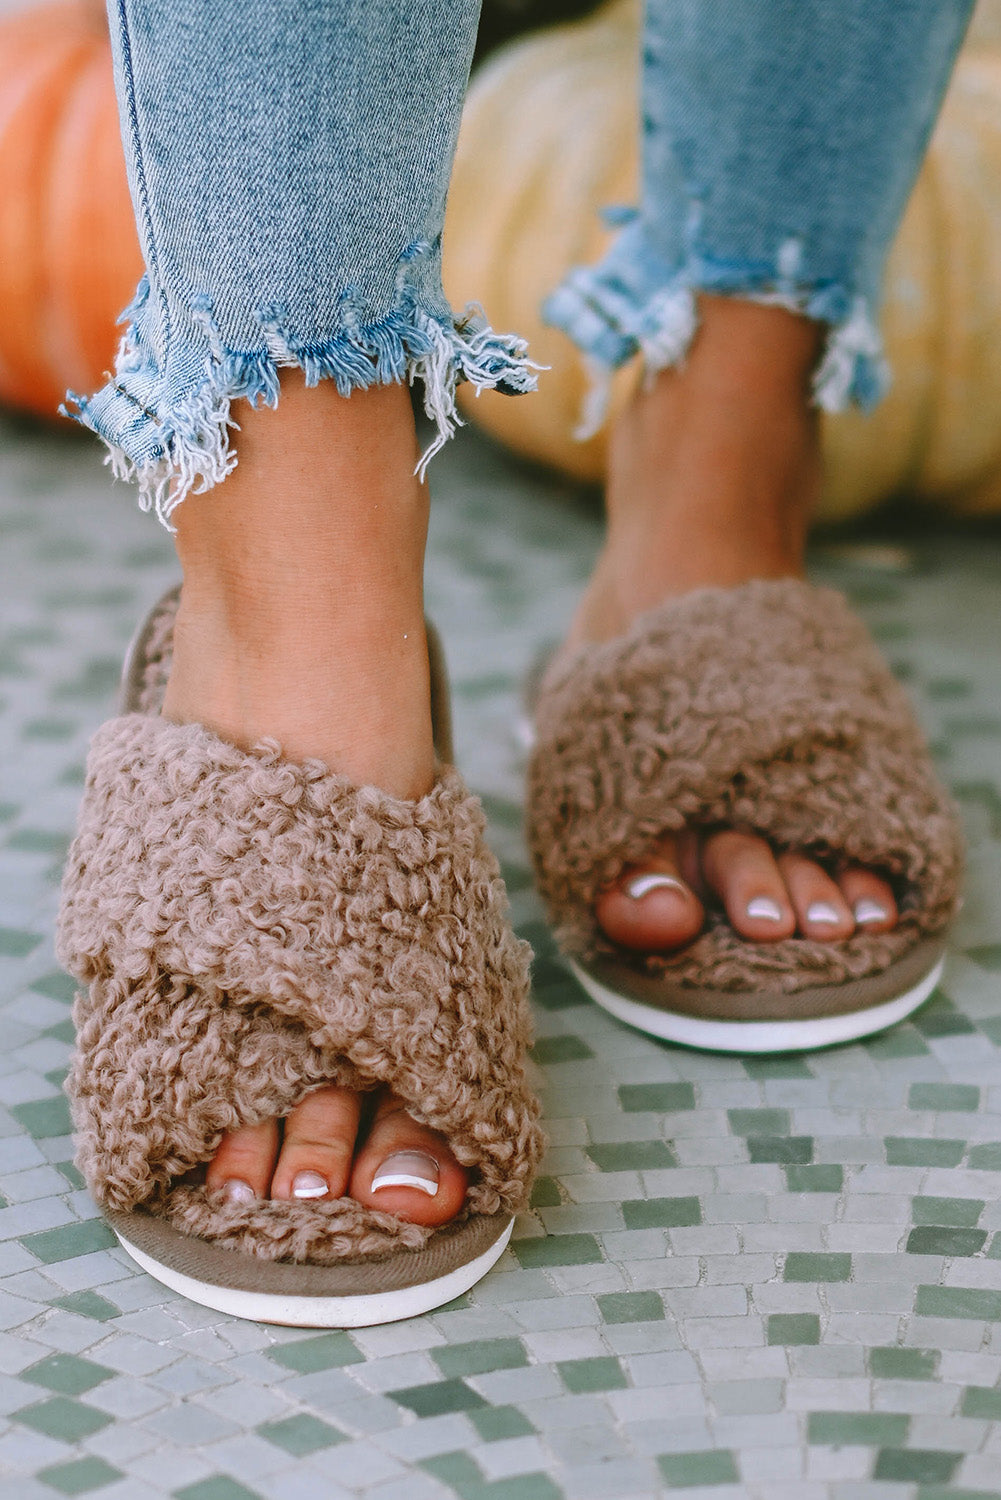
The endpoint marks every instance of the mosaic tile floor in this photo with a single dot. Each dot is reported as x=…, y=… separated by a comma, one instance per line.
x=762, y=1279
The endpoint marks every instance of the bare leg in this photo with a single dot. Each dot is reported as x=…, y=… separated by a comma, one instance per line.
x=302, y=620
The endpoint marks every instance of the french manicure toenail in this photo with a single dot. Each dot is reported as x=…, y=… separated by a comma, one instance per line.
x=823, y=914
x=309, y=1185
x=641, y=885
x=238, y=1191
x=412, y=1169
x=764, y=909
x=870, y=911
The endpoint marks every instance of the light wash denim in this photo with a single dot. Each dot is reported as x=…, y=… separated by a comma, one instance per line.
x=780, y=143
x=289, y=166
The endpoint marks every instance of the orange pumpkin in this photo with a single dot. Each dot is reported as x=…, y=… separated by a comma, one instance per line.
x=69, y=255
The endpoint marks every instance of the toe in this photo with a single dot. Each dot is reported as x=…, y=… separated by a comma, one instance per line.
x=407, y=1169
x=319, y=1145
x=741, y=870
x=651, y=908
x=870, y=899
x=822, y=913
x=245, y=1161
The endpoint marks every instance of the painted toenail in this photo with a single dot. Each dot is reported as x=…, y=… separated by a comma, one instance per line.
x=238, y=1191
x=869, y=911
x=641, y=885
x=309, y=1185
x=764, y=909
x=408, y=1169
x=823, y=914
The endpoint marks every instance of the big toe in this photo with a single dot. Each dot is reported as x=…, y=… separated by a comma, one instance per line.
x=407, y=1169
x=651, y=908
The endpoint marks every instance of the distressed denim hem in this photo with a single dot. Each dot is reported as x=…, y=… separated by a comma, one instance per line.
x=171, y=434
x=634, y=303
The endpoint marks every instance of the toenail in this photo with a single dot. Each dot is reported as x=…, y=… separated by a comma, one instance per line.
x=869, y=911
x=238, y=1191
x=764, y=909
x=408, y=1169
x=641, y=885
x=309, y=1185
x=822, y=913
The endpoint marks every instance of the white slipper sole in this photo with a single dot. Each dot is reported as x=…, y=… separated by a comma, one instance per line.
x=357, y=1310
x=794, y=1035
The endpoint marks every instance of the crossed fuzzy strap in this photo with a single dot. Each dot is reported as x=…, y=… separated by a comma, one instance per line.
x=764, y=707
x=248, y=928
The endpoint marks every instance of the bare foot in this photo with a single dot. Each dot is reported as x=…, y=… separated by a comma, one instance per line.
x=713, y=474
x=302, y=620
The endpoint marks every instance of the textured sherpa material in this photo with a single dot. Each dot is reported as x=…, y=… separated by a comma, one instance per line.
x=248, y=928
x=765, y=707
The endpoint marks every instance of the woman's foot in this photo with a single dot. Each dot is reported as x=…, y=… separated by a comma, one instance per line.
x=301, y=620
x=714, y=471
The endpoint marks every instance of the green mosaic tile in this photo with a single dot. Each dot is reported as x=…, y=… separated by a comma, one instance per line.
x=599, y=1373
x=661, y=1213
x=902, y=1041
x=80, y=1476
x=994, y=1250
x=545, y=1193
x=775, y=1067
x=15, y=942
x=958, y=1302
x=895, y=1362
x=631, y=1156
x=67, y=1374
x=939, y=1018
x=56, y=1076
x=807, y=1265
x=69, y=1241
x=42, y=1118
x=72, y=1173
x=985, y=1157
x=961, y=1098
x=780, y=1148
x=217, y=1487
x=558, y=1250
x=65, y=1031
x=459, y=1471
x=930, y=1239
x=49, y=728
x=962, y=1212
x=88, y=1304
x=923, y=1151
x=950, y=1492
x=301, y=1434
x=925, y=1465
x=438, y=1398
x=630, y=1307
x=481, y=1357
x=537, y=1486
x=988, y=955
x=708, y=1467
x=327, y=1351
x=56, y=986
x=38, y=841
x=8, y=810
x=560, y=1049
x=838, y=1429
x=496, y=1423
x=824, y=1177
x=98, y=678
x=554, y=988
x=982, y=1401
x=793, y=1328
x=758, y=1121
x=63, y=1418
x=656, y=1098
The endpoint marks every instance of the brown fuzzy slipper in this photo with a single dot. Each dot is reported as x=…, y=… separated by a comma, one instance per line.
x=247, y=928
x=765, y=707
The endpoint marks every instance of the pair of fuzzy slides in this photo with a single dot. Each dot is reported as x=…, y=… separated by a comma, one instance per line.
x=246, y=929
x=768, y=708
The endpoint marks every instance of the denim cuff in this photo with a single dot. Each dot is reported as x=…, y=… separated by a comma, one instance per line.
x=636, y=302
x=165, y=417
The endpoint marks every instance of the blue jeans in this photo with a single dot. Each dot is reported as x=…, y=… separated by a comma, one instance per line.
x=289, y=167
